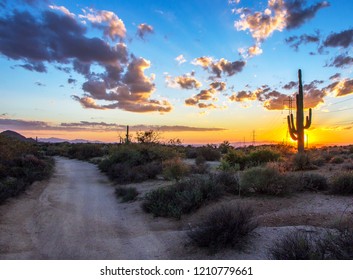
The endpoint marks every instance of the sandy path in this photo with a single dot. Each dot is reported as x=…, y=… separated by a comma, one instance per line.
x=75, y=215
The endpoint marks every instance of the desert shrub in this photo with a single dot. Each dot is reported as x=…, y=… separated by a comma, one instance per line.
x=227, y=166
x=21, y=163
x=263, y=155
x=123, y=173
x=174, y=169
x=226, y=226
x=85, y=151
x=136, y=162
x=342, y=184
x=191, y=152
x=296, y=245
x=302, y=161
x=347, y=166
x=337, y=160
x=183, y=197
x=264, y=180
x=199, y=168
x=227, y=181
x=313, y=182
x=280, y=166
x=209, y=152
x=200, y=160
x=224, y=147
x=338, y=246
x=126, y=194
x=235, y=158
x=318, y=161
x=299, y=245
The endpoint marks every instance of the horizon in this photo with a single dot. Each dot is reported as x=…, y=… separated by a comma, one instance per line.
x=203, y=72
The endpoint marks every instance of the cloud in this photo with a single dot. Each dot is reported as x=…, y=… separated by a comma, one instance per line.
x=187, y=81
x=206, y=95
x=295, y=41
x=71, y=81
x=272, y=99
x=277, y=16
x=58, y=38
x=23, y=124
x=204, y=61
x=144, y=29
x=342, y=61
x=341, y=39
x=112, y=26
x=40, y=84
x=335, y=76
x=340, y=88
x=180, y=59
x=219, y=67
x=290, y=85
x=132, y=93
x=298, y=14
x=17, y=124
x=34, y=66
x=62, y=9
x=52, y=38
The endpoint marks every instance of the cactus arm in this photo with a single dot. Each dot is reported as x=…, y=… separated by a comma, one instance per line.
x=291, y=129
x=308, y=120
x=293, y=125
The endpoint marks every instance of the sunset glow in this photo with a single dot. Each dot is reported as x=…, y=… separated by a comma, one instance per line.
x=200, y=71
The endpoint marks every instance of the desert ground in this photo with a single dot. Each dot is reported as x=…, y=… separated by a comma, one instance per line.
x=75, y=215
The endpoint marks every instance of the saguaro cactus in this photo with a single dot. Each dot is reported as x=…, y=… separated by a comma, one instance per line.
x=297, y=131
x=127, y=139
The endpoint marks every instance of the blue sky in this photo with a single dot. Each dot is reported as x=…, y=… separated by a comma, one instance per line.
x=188, y=68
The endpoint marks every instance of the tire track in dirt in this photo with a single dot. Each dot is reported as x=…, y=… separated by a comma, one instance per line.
x=75, y=215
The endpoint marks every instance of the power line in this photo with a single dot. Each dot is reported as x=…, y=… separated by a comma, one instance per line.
x=335, y=111
x=340, y=101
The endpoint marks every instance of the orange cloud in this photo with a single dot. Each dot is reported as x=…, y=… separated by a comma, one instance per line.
x=277, y=16
x=144, y=29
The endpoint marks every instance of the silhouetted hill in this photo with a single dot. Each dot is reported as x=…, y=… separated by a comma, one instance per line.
x=16, y=135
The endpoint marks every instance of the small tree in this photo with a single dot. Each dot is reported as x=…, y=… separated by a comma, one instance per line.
x=150, y=136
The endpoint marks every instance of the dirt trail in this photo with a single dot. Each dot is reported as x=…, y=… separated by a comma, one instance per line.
x=75, y=215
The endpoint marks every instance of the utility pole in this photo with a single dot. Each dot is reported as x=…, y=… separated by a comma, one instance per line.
x=253, y=137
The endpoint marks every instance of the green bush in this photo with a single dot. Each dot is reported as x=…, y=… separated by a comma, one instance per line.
x=263, y=155
x=342, y=184
x=126, y=194
x=235, y=158
x=174, y=169
x=21, y=163
x=183, y=197
x=224, y=227
x=136, y=162
x=209, y=152
x=265, y=180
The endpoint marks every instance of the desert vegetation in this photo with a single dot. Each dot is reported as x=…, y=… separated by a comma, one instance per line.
x=21, y=163
x=191, y=178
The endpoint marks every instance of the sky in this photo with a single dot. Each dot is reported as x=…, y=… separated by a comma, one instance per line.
x=200, y=71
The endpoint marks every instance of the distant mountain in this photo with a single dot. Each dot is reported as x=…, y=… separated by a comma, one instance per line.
x=60, y=140
x=16, y=135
